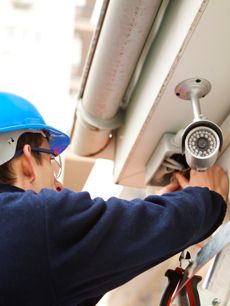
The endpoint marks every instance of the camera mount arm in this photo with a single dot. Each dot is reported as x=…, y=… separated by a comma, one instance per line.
x=194, y=89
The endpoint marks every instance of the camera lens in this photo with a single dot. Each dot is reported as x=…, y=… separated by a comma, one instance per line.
x=202, y=141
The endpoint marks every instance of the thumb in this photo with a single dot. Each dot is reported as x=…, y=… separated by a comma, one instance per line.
x=183, y=182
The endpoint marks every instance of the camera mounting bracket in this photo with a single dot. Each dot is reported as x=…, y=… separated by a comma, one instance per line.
x=193, y=89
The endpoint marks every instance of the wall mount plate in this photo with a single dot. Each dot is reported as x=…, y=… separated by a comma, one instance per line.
x=194, y=87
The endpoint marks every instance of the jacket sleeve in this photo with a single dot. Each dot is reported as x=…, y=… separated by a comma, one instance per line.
x=96, y=245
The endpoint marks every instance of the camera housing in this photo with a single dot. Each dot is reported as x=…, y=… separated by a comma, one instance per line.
x=202, y=139
x=201, y=142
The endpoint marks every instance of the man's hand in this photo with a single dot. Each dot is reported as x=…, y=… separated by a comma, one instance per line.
x=172, y=186
x=214, y=178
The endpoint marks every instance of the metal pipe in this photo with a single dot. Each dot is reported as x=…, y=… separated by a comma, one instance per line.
x=124, y=31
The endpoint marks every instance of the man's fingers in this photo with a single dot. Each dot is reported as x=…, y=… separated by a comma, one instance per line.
x=183, y=182
x=172, y=186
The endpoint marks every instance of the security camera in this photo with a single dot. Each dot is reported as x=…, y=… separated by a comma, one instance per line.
x=202, y=139
x=197, y=146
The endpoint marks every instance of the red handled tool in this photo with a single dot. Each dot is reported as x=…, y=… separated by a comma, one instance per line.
x=183, y=283
x=188, y=295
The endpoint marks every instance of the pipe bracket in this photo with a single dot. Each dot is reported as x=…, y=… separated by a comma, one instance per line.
x=102, y=124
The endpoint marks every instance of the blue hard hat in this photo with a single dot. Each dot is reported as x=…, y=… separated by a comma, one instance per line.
x=17, y=113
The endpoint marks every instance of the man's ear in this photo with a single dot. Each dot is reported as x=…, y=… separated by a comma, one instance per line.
x=28, y=163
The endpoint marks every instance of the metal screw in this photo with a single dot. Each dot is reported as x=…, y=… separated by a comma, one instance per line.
x=216, y=302
x=11, y=140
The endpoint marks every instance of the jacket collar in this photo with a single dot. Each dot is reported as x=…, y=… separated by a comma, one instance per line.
x=10, y=188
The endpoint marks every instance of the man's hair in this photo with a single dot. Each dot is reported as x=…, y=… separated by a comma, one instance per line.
x=7, y=174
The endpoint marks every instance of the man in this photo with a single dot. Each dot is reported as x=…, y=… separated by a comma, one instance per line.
x=59, y=247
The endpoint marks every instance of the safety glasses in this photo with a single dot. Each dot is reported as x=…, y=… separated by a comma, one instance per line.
x=55, y=159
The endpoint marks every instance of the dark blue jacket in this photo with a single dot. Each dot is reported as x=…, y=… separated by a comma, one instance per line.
x=67, y=249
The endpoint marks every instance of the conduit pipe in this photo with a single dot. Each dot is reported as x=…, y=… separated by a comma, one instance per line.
x=123, y=33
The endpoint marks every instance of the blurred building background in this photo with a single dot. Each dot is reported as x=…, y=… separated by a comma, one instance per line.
x=43, y=48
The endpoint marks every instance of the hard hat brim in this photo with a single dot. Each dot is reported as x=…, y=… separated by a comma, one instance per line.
x=58, y=140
